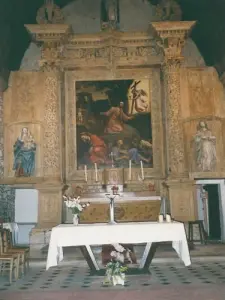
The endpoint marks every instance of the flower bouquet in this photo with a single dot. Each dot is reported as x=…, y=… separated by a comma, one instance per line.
x=115, y=269
x=76, y=207
x=115, y=273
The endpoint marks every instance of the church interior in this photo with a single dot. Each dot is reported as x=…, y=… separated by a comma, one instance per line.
x=111, y=137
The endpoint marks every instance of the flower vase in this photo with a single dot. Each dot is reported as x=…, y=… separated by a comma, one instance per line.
x=75, y=219
x=118, y=279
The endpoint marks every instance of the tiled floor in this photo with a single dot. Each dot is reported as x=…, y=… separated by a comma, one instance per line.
x=77, y=277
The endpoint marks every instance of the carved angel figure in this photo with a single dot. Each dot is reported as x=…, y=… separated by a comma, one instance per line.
x=110, y=8
x=169, y=10
x=205, y=148
x=49, y=13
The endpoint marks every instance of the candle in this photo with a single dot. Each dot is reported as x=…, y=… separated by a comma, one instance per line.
x=168, y=218
x=142, y=171
x=112, y=159
x=85, y=173
x=160, y=218
x=129, y=169
x=164, y=206
x=96, y=172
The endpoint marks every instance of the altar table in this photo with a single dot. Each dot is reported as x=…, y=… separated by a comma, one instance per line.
x=86, y=235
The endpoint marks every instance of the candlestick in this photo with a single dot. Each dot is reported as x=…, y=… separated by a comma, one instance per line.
x=85, y=173
x=164, y=207
x=96, y=172
x=142, y=171
x=129, y=169
x=111, y=198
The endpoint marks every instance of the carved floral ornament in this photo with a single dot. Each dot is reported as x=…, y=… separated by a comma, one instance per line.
x=172, y=47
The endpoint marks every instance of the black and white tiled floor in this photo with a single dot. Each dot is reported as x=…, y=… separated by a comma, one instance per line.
x=78, y=277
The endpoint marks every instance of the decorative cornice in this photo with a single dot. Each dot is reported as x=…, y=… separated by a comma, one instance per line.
x=173, y=27
x=53, y=38
x=48, y=32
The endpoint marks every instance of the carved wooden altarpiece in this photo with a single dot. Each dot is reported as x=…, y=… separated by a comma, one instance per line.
x=70, y=60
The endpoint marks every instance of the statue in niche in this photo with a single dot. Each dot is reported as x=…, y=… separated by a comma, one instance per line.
x=24, y=154
x=205, y=148
x=109, y=14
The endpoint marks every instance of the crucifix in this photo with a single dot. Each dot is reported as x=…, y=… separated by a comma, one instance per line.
x=111, y=197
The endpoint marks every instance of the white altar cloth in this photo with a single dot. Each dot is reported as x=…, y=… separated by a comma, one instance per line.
x=66, y=235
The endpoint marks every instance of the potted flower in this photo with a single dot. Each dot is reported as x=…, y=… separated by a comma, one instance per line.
x=76, y=207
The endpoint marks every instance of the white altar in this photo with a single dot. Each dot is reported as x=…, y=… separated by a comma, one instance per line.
x=66, y=235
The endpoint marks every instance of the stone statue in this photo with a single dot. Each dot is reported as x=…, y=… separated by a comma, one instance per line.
x=110, y=18
x=169, y=10
x=24, y=154
x=205, y=148
x=49, y=13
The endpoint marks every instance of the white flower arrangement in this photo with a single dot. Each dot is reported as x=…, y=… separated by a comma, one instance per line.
x=75, y=205
x=115, y=273
x=115, y=269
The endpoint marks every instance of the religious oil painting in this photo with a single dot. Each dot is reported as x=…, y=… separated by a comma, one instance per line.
x=114, y=123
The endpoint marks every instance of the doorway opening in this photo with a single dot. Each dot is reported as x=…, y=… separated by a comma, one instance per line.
x=213, y=204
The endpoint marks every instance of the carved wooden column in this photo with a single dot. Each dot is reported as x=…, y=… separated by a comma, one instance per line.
x=181, y=190
x=52, y=37
x=172, y=38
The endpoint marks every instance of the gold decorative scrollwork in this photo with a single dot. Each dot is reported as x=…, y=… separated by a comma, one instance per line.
x=174, y=127
x=51, y=134
x=172, y=38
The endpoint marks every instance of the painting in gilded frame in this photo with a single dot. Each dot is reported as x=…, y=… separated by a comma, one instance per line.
x=113, y=123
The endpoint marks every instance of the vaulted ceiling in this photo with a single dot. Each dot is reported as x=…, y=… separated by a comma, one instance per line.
x=208, y=34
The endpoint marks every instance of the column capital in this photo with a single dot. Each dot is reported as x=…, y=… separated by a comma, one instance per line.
x=172, y=37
